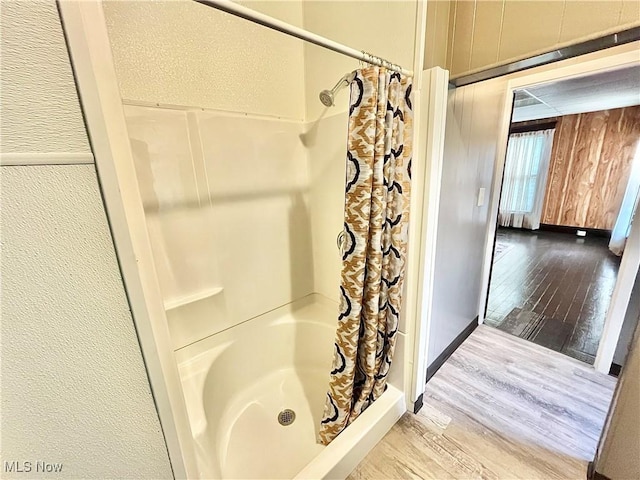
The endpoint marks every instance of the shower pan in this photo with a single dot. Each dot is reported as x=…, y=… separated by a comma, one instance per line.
x=237, y=384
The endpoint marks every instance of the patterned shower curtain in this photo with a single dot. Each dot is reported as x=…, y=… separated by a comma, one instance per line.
x=375, y=246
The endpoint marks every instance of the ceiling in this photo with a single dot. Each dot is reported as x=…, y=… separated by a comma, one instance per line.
x=601, y=91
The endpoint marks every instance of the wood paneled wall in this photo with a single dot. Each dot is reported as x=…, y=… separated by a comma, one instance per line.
x=485, y=33
x=589, y=168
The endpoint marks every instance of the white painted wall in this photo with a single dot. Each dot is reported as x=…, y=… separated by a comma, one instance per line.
x=473, y=114
x=75, y=390
x=618, y=456
x=629, y=325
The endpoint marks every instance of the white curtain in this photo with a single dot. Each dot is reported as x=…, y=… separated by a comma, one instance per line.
x=628, y=208
x=525, y=179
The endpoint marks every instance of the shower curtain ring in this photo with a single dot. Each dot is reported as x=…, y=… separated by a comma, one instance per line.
x=363, y=60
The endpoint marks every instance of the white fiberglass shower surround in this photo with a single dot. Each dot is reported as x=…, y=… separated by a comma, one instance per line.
x=225, y=203
x=252, y=337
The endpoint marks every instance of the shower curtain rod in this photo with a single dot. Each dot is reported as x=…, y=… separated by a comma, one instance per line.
x=256, y=17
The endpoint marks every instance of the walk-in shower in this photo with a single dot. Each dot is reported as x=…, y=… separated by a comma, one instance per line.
x=242, y=208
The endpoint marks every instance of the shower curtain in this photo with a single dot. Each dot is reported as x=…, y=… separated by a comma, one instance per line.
x=375, y=247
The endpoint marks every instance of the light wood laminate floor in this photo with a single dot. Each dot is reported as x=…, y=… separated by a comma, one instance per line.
x=499, y=408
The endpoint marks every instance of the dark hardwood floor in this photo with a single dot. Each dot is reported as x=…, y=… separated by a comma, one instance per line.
x=552, y=288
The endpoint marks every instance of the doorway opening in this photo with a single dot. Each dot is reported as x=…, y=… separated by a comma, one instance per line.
x=570, y=188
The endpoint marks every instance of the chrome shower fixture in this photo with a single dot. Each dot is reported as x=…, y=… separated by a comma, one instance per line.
x=327, y=96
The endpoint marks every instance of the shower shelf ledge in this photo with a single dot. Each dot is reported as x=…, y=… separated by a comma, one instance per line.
x=178, y=302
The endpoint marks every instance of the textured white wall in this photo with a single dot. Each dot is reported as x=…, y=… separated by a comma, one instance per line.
x=385, y=29
x=75, y=389
x=74, y=386
x=184, y=53
x=40, y=110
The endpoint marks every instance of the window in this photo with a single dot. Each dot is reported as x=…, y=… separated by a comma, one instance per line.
x=525, y=154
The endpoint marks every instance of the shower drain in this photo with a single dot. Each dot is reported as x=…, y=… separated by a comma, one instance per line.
x=286, y=417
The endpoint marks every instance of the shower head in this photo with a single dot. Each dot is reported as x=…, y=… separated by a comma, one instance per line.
x=327, y=96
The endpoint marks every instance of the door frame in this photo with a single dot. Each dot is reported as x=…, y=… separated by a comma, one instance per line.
x=423, y=227
x=604, y=60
